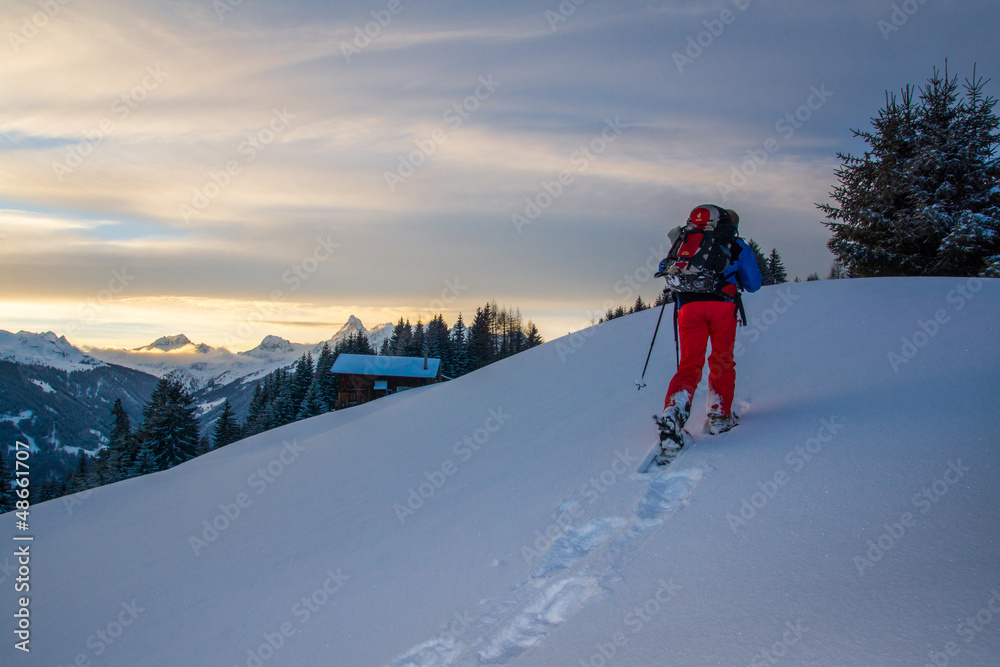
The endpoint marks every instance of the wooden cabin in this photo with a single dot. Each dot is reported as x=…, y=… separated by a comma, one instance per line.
x=365, y=377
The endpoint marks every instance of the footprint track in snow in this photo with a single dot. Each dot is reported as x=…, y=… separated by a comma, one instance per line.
x=574, y=569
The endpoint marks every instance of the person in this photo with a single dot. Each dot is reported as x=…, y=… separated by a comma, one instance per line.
x=704, y=317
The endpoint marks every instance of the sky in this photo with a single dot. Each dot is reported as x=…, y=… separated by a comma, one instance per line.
x=231, y=169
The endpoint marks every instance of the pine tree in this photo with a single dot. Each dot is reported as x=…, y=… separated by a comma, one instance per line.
x=762, y=265
x=812, y=276
x=145, y=461
x=97, y=471
x=416, y=346
x=776, y=269
x=312, y=404
x=115, y=456
x=256, y=419
x=480, y=339
x=533, y=338
x=170, y=425
x=325, y=381
x=49, y=490
x=509, y=330
x=361, y=345
x=837, y=271
x=402, y=336
x=439, y=343
x=282, y=409
x=460, y=349
x=923, y=199
x=639, y=305
x=80, y=480
x=226, y=429
x=301, y=381
x=666, y=296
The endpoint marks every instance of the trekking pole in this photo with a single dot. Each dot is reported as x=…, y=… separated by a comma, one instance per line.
x=639, y=383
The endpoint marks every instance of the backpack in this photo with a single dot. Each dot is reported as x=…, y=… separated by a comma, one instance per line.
x=702, y=252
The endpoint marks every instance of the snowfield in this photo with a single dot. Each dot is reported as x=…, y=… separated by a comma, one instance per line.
x=853, y=518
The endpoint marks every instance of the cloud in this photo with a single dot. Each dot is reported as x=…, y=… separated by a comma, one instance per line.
x=208, y=153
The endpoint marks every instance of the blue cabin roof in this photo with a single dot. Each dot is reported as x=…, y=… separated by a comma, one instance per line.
x=366, y=364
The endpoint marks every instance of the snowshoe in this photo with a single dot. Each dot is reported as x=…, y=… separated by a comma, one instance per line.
x=717, y=424
x=671, y=430
x=671, y=424
x=671, y=443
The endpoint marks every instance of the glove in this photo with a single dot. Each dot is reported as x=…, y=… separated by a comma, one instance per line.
x=664, y=265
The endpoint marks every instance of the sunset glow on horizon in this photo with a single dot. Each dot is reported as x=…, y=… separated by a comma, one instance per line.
x=234, y=170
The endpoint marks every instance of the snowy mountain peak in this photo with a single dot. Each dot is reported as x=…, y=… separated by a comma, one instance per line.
x=353, y=325
x=45, y=349
x=176, y=343
x=276, y=343
x=166, y=343
x=272, y=344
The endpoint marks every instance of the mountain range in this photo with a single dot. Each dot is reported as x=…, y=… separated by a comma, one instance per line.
x=57, y=397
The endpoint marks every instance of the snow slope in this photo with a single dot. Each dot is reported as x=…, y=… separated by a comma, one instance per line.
x=853, y=518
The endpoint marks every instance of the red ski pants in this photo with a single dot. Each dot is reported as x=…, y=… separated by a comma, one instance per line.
x=697, y=323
